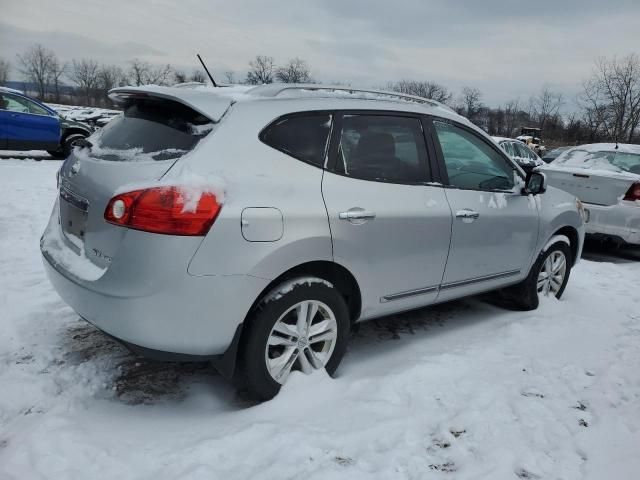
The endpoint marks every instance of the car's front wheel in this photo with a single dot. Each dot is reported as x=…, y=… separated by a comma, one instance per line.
x=548, y=277
x=301, y=325
x=66, y=146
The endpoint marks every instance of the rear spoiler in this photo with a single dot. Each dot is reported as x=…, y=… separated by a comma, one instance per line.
x=205, y=102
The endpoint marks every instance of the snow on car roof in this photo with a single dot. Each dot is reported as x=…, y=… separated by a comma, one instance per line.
x=502, y=139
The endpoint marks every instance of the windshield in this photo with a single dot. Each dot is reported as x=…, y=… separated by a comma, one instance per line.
x=151, y=129
x=600, y=160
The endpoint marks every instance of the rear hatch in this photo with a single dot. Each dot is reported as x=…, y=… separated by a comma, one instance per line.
x=137, y=147
x=597, y=177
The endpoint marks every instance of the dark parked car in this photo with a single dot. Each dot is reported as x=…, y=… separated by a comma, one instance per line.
x=27, y=124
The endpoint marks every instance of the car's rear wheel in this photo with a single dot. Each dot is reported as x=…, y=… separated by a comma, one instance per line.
x=548, y=277
x=302, y=325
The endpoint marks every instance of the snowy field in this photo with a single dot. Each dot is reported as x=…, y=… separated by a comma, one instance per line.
x=465, y=390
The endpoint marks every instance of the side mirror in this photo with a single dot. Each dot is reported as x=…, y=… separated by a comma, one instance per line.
x=535, y=183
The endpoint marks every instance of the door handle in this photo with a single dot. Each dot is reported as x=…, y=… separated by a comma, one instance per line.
x=467, y=215
x=357, y=215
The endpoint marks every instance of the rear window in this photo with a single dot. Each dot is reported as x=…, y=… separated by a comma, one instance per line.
x=151, y=129
x=304, y=137
x=600, y=160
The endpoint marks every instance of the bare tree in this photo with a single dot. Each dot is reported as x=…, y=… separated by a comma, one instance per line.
x=85, y=73
x=260, y=70
x=179, y=76
x=611, y=97
x=109, y=76
x=429, y=90
x=56, y=71
x=5, y=68
x=470, y=102
x=511, y=113
x=229, y=76
x=545, y=105
x=296, y=70
x=143, y=73
x=198, y=76
x=35, y=66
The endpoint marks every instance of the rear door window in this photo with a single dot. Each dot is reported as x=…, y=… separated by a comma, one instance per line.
x=382, y=148
x=301, y=136
x=151, y=129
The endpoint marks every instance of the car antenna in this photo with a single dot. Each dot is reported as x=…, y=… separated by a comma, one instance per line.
x=206, y=70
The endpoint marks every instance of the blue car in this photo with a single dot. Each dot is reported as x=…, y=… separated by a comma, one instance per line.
x=27, y=124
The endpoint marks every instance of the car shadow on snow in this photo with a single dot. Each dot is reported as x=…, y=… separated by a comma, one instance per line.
x=135, y=380
x=597, y=251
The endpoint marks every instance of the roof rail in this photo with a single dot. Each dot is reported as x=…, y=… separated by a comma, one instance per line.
x=275, y=89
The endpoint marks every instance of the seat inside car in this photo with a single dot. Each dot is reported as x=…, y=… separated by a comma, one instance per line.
x=374, y=154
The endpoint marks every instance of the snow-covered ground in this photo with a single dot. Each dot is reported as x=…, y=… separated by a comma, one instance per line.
x=465, y=390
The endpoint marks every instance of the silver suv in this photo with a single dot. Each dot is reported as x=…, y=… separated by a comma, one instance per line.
x=254, y=226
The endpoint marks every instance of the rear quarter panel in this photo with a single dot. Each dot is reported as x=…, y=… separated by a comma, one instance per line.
x=256, y=175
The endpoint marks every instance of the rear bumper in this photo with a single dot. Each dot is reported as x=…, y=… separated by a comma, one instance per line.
x=193, y=315
x=621, y=221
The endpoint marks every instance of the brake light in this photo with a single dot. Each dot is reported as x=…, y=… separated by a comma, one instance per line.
x=165, y=210
x=633, y=193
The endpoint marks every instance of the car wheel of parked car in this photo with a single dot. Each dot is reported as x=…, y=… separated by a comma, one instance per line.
x=67, y=146
x=548, y=276
x=301, y=325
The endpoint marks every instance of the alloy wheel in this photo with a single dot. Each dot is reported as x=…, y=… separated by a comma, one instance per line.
x=552, y=273
x=303, y=338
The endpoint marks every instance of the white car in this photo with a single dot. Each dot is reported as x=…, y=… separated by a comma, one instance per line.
x=520, y=152
x=606, y=177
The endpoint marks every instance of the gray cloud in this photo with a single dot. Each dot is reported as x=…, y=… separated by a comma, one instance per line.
x=71, y=45
x=508, y=49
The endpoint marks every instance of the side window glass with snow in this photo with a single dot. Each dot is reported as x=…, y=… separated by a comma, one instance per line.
x=471, y=163
x=507, y=147
x=304, y=137
x=529, y=153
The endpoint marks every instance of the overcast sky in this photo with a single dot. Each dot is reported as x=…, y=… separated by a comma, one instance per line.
x=505, y=48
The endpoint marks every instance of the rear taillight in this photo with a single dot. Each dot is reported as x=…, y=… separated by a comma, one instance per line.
x=633, y=193
x=167, y=210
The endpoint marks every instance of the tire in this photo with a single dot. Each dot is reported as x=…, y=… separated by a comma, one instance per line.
x=264, y=341
x=525, y=295
x=66, y=146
